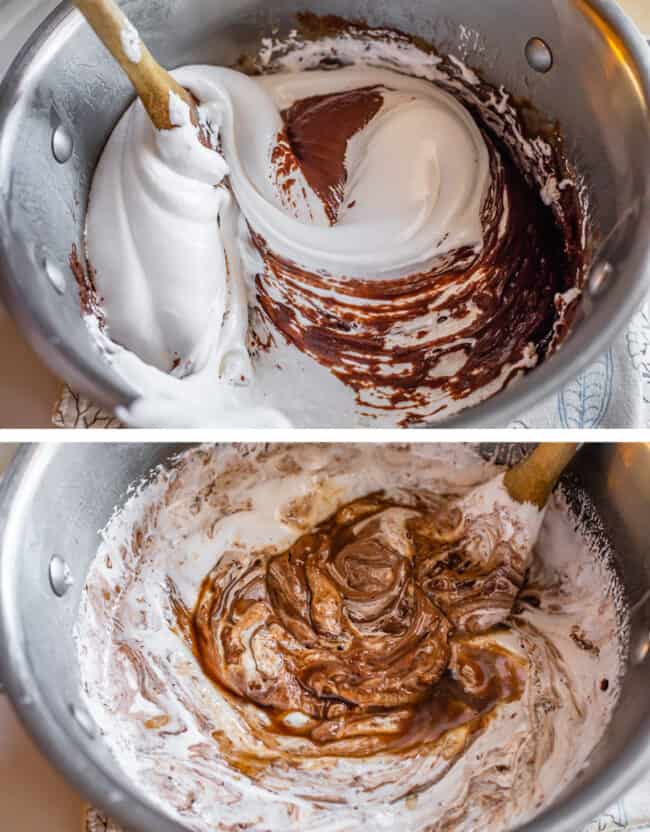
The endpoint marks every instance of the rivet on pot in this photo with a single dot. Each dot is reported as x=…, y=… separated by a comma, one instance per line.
x=84, y=721
x=643, y=651
x=539, y=55
x=600, y=276
x=62, y=144
x=60, y=576
x=55, y=276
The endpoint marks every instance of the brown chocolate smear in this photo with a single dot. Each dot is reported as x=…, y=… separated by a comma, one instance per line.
x=385, y=338
x=502, y=302
x=340, y=628
x=84, y=275
x=317, y=131
x=470, y=572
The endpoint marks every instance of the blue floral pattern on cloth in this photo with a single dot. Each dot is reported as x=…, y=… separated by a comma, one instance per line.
x=584, y=402
x=613, y=392
x=638, y=347
x=630, y=814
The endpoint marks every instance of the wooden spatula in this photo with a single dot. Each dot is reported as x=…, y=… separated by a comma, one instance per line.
x=152, y=82
x=533, y=479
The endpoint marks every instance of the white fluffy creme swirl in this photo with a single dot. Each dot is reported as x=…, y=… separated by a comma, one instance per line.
x=170, y=245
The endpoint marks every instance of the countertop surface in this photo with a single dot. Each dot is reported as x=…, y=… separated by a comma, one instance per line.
x=33, y=797
x=640, y=11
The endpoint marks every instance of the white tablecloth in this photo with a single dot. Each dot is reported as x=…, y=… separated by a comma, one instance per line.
x=630, y=814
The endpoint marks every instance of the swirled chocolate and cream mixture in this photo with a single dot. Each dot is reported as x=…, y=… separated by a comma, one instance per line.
x=374, y=239
x=321, y=637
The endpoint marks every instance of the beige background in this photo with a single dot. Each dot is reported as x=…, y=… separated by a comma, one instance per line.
x=33, y=798
x=640, y=10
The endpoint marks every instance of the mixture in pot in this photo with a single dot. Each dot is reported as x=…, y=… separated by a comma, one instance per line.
x=374, y=238
x=320, y=637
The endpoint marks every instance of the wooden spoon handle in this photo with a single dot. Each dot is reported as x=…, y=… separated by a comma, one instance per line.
x=152, y=82
x=533, y=479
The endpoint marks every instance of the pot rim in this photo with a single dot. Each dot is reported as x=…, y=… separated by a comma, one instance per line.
x=611, y=313
x=63, y=749
x=97, y=783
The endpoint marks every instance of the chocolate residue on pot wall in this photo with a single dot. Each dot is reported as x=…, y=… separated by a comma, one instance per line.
x=507, y=294
x=84, y=276
x=471, y=321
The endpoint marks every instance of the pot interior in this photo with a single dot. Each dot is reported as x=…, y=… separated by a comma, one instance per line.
x=54, y=500
x=597, y=91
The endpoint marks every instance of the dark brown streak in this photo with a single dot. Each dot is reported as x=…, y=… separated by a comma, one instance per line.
x=511, y=286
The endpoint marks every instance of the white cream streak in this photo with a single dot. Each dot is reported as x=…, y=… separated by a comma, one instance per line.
x=131, y=43
x=237, y=500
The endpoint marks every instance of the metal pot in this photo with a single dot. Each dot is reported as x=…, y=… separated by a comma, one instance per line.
x=63, y=96
x=53, y=500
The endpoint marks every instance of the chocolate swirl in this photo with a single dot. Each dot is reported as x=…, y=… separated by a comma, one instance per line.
x=501, y=733
x=472, y=571
x=350, y=629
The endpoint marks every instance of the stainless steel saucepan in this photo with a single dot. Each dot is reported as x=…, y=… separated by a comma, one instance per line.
x=63, y=96
x=53, y=500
